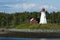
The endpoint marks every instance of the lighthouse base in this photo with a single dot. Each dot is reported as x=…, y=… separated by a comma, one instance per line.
x=43, y=20
x=42, y=23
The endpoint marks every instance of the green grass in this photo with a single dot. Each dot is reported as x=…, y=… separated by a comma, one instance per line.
x=27, y=26
x=37, y=26
x=50, y=26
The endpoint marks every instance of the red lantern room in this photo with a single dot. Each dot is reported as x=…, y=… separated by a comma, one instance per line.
x=43, y=10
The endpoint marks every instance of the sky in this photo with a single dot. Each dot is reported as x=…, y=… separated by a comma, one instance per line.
x=11, y=6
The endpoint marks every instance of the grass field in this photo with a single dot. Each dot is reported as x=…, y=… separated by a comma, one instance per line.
x=38, y=26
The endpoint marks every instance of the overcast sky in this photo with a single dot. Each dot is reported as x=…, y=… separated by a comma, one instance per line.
x=29, y=5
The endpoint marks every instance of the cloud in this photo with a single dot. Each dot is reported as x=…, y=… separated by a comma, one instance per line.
x=48, y=7
x=23, y=6
x=28, y=6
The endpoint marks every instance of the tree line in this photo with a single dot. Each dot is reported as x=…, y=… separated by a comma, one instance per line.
x=14, y=19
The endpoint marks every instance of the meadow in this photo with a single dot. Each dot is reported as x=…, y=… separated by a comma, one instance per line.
x=38, y=26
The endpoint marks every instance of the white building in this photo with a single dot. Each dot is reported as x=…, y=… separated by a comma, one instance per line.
x=43, y=17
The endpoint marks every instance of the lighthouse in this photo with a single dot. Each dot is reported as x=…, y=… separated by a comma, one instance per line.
x=43, y=17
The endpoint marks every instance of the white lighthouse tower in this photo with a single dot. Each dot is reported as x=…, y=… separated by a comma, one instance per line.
x=43, y=17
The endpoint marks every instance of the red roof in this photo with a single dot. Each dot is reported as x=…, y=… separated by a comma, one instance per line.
x=33, y=21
